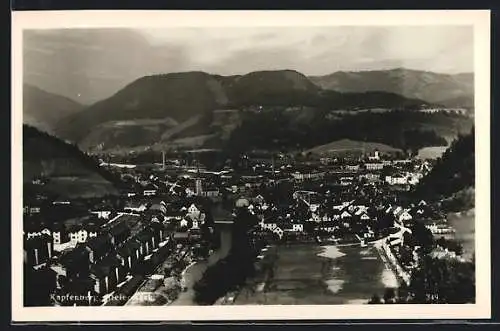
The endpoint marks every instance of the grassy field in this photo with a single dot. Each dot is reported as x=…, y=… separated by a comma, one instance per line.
x=347, y=145
x=81, y=187
x=431, y=152
x=68, y=178
x=310, y=274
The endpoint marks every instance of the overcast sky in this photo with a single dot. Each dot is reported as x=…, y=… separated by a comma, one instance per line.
x=92, y=64
x=318, y=51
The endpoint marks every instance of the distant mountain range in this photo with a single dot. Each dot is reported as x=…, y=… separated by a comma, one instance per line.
x=447, y=90
x=44, y=110
x=177, y=109
x=88, y=65
x=182, y=96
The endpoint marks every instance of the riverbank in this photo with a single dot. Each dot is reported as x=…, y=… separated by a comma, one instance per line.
x=191, y=275
x=395, y=274
x=161, y=288
x=464, y=225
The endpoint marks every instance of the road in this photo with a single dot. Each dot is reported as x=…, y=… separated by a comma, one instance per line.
x=191, y=275
x=138, y=298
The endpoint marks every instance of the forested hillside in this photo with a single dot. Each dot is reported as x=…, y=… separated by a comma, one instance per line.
x=69, y=172
x=280, y=130
x=452, y=179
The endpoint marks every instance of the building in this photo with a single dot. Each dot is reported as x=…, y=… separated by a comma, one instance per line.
x=98, y=247
x=136, y=207
x=72, y=266
x=298, y=227
x=371, y=177
x=104, y=214
x=146, y=241
x=374, y=166
x=128, y=254
x=375, y=156
x=81, y=234
x=308, y=174
x=398, y=179
x=107, y=274
x=352, y=167
x=38, y=250
x=194, y=211
x=346, y=180
x=118, y=233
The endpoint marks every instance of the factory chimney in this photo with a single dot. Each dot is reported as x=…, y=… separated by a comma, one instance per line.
x=199, y=187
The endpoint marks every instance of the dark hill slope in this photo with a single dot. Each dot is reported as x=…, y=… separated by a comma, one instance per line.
x=178, y=96
x=182, y=97
x=277, y=88
x=452, y=179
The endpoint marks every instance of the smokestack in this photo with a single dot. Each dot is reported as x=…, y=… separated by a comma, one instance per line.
x=163, y=159
x=199, y=188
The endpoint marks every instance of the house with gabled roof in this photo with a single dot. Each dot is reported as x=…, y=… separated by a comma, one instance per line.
x=72, y=264
x=397, y=210
x=278, y=231
x=118, y=233
x=194, y=211
x=364, y=217
x=38, y=250
x=159, y=232
x=404, y=216
x=136, y=206
x=128, y=254
x=107, y=274
x=98, y=247
x=328, y=226
x=146, y=241
x=345, y=215
x=259, y=199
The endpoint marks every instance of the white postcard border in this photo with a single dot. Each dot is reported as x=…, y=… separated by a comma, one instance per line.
x=480, y=19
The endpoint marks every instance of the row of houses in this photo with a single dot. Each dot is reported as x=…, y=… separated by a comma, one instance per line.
x=105, y=261
x=75, y=231
x=350, y=216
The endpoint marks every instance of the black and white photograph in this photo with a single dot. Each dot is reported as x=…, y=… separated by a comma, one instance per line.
x=271, y=165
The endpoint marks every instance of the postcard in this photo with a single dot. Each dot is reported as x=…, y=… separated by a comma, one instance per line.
x=250, y=165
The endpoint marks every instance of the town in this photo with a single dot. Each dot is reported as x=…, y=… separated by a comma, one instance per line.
x=139, y=248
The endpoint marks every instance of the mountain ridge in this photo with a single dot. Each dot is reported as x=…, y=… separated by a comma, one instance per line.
x=184, y=95
x=44, y=110
x=426, y=85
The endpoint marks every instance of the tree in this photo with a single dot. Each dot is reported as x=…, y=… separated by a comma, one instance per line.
x=389, y=295
x=443, y=280
x=375, y=300
x=423, y=236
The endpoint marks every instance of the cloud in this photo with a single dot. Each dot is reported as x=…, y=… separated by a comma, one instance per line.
x=341, y=47
x=92, y=64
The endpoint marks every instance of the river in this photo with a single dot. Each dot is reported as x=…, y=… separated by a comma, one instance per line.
x=193, y=273
x=464, y=225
